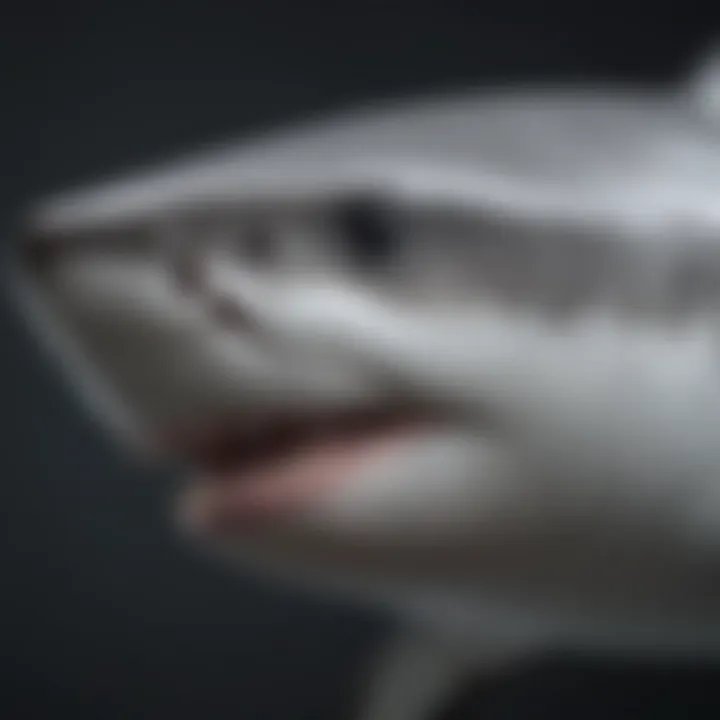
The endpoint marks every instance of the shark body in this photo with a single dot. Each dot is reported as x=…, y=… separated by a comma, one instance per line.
x=456, y=357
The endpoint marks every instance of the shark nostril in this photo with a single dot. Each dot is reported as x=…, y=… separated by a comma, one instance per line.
x=230, y=313
x=190, y=251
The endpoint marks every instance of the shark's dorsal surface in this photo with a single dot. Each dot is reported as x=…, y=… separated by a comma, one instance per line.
x=459, y=357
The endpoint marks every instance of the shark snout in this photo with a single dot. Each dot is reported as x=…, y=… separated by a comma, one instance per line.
x=173, y=333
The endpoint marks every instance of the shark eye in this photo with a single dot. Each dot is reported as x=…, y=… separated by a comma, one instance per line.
x=368, y=233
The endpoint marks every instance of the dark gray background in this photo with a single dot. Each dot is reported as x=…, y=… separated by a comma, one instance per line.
x=106, y=613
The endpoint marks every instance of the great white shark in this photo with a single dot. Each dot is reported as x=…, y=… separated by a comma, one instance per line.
x=458, y=357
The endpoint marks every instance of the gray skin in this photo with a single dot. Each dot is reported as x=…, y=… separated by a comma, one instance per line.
x=547, y=299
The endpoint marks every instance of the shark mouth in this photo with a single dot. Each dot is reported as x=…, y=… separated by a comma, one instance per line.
x=271, y=472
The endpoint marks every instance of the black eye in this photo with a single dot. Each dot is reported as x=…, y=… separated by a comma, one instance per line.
x=367, y=232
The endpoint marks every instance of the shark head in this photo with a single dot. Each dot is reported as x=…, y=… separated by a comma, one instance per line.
x=363, y=341
x=255, y=331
